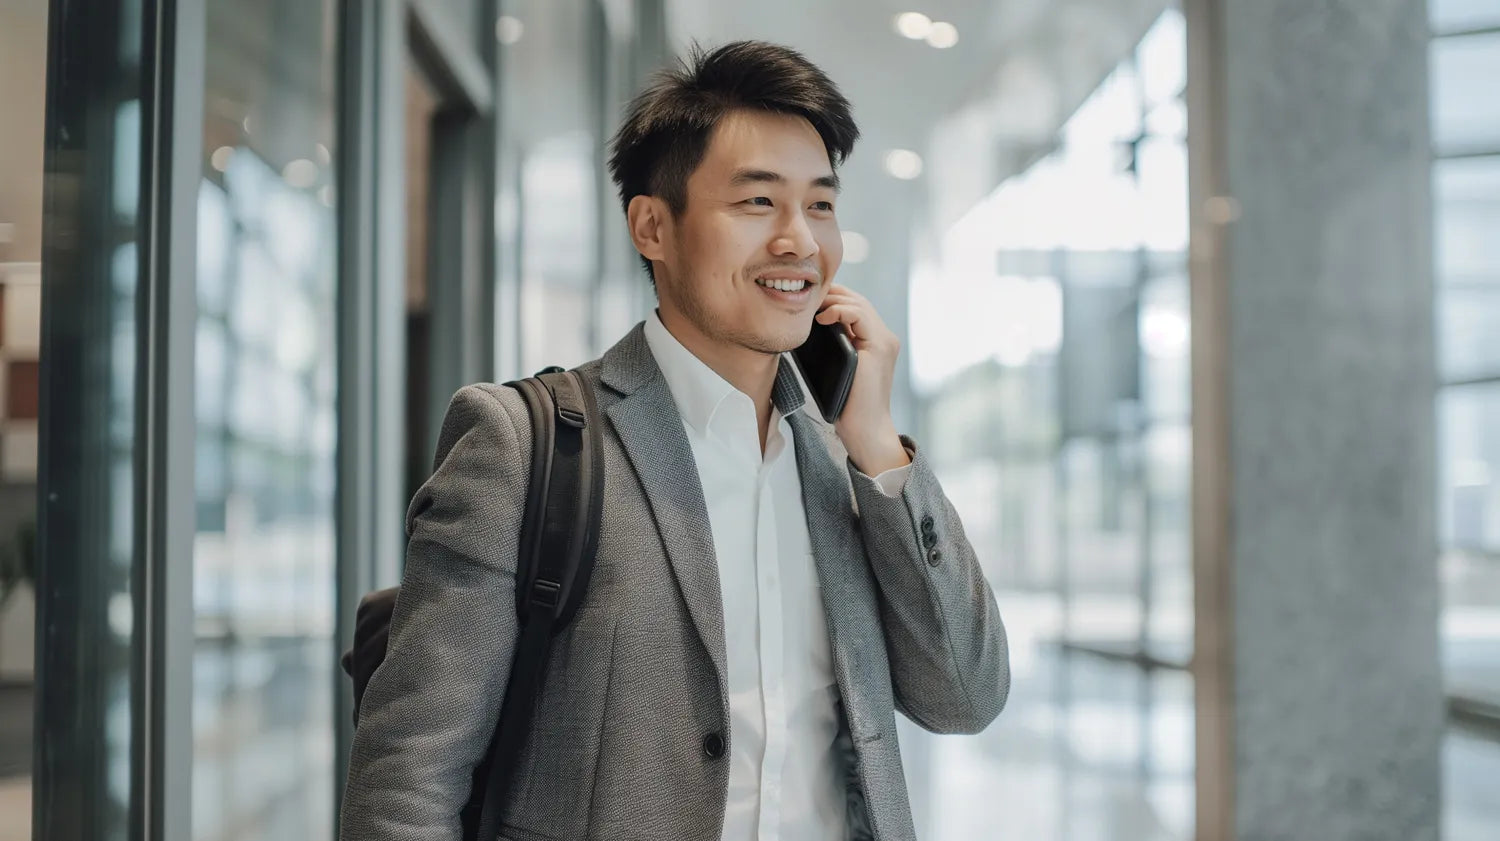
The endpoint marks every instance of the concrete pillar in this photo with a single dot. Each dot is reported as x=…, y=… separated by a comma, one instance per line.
x=1320, y=707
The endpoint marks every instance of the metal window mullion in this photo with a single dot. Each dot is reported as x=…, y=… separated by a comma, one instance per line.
x=172, y=162
x=1466, y=32
x=355, y=154
x=1469, y=383
x=1440, y=155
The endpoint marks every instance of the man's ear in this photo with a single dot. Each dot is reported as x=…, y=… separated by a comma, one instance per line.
x=648, y=218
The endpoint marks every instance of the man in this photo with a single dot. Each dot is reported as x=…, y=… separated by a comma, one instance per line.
x=768, y=590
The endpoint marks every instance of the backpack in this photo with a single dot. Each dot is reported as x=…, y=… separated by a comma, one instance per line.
x=559, y=537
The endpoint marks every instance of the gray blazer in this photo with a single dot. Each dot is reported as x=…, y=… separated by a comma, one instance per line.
x=636, y=683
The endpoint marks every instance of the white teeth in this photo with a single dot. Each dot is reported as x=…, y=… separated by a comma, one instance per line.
x=783, y=285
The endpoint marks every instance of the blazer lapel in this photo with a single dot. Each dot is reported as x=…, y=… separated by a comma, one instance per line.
x=650, y=429
x=837, y=555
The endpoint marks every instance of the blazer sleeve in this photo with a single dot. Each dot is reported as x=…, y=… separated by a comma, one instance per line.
x=431, y=707
x=950, y=665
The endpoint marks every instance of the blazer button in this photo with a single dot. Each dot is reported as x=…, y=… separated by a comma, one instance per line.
x=934, y=557
x=927, y=524
x=713, y=746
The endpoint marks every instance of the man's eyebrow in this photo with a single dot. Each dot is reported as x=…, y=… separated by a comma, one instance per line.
x=756, y=176
x=766, y=176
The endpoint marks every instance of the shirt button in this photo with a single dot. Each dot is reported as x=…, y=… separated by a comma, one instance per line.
x=713, y=746
x=927, y=524
x=934, y=557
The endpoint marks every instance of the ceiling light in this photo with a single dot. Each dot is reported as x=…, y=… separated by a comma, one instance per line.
x=903, y=163
x=856, y=247
x=942, y=35
x=301, y=173
x=220, y=158
x=508, y=30
x=913, y=25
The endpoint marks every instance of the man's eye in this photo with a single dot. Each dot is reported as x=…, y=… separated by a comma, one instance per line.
x=760, y=201
x=825, y=206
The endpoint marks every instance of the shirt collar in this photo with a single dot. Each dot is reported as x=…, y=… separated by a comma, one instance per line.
x=698, y=390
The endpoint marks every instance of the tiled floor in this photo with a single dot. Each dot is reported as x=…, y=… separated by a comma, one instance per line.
x=1086, y=750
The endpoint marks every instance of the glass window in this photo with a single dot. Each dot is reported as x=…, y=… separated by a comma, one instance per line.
x=87, y=678
x=1469, y=467
x=1168, y=466
x=1464, y=115
x=1457, y=15
x=558, y=254
x=1165, y=333
x=1161, y=179
x=556, y=133
x=1471, y=764
x=1466, y=219
x=1469, y=331
x=1076, y=494
x=1102, y=513
x=23, y=70
x=1466, y=197
x=1162, y=58
x=264, y=554
x=1471, y=624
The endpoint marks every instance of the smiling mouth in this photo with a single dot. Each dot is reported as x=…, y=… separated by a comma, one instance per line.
x=783, y=284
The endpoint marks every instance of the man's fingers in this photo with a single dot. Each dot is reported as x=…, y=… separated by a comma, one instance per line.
x=847, y=314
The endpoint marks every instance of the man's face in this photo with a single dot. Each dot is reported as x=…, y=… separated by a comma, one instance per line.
x=749, y=260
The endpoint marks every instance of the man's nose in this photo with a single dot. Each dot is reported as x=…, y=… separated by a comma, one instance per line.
x=795, y=237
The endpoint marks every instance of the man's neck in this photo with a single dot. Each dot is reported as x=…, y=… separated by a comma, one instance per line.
x=751, y=372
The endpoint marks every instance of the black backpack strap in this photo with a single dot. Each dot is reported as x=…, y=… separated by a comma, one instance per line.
x=559, y=539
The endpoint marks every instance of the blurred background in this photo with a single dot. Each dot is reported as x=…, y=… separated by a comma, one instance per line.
x=1201, y=310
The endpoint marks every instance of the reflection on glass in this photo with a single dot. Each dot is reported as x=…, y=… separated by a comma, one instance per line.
x=23, y=68
x=1102, y=517
x=1471, y=623
x=556, y=133
x=1165, y=334
x=1466, y=251
x=1459, y=15
x=264, y=554
x=1169, y=622
x=558, y=258
x=1464, y=116
x=1092, y=297
x=1466, y=199
x=1466, y=205
x=1469, y=467
x=86, y=782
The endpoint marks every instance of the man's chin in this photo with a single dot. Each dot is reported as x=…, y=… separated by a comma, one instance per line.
x=776, y=343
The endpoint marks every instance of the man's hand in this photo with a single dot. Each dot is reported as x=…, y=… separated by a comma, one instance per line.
x=866, y=427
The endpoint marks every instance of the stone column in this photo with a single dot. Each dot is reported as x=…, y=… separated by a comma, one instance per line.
x=1320, y=700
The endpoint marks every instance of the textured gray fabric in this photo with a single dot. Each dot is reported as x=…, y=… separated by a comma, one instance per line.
x=637, y=681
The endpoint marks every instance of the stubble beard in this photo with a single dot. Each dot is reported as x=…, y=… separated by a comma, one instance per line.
x=720, y=329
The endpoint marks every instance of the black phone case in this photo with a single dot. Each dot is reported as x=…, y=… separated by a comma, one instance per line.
x=827, y=362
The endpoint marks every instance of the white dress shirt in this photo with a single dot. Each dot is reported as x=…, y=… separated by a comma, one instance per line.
x=784, y=784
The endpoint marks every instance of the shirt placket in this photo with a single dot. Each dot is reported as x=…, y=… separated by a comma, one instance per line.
x=772, y=660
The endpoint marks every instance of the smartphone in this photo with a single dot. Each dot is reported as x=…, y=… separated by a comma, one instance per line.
x=827, y=361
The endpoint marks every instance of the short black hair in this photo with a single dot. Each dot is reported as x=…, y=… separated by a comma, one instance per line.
x=668, y=126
